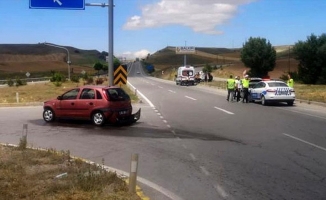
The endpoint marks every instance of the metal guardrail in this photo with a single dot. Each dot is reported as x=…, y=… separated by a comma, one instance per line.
x=4, y=82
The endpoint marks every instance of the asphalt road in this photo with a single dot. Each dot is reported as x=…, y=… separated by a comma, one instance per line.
x=193, y=144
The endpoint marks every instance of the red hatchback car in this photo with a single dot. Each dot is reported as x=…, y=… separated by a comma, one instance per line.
x=100, y=104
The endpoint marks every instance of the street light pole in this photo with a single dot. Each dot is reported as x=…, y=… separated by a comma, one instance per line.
x=185, y=56
x=110, y=6
x=61, y=47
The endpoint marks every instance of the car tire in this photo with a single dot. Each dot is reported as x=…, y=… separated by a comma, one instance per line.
x=290, y=103
x=48, y=115
x=263, y=101
x=98, y=118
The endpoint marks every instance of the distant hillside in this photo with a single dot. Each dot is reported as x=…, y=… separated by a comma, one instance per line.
x=40, y=59
x=167, y=60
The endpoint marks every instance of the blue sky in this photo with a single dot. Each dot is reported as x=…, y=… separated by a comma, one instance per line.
x=146, y=26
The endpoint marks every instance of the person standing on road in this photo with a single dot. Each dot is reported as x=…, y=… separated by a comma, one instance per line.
x=238, y=88
x=290, y=82
x=230, y=84
x=245, y=88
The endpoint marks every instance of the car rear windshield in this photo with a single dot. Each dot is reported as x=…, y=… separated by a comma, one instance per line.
x=277, y=84
x=117, y=94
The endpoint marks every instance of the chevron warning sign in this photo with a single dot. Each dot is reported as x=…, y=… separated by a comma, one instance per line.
x=120, y=75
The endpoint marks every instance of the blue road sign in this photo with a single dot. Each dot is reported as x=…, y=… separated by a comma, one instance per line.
x=57, y=4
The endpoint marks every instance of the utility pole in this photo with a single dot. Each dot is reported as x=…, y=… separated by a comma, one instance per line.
x=68, y=59
x=110, y=6
x=289, y=60
x=185, y=56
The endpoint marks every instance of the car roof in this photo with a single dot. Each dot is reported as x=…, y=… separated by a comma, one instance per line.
x=98, y=86
x=255, y=78
x=273, y=81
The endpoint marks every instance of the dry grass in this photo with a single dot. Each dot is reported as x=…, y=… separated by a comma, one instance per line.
x=38, y=174
x=40, y=92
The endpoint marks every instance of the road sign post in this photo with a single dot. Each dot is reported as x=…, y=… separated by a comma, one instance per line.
x=57, y=4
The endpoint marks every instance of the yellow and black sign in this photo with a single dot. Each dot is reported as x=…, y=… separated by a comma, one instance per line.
x=120, y=75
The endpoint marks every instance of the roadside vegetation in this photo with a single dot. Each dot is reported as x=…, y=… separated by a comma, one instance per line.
x=39, y=92
x=48, y=174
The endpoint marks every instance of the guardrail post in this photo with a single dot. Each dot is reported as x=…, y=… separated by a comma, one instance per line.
x=133, y=173
x=17, y=97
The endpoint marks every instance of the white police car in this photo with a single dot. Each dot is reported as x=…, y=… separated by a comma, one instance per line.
x=272, y=91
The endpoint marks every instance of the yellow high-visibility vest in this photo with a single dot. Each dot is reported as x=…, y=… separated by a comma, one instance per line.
x=230, y=83
x=245, y=83
x=290, y=83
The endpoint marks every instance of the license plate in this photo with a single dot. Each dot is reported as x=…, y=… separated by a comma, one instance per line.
x=123, y=112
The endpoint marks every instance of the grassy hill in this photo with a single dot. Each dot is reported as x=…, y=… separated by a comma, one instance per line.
x=39, y=60
x=167, y=60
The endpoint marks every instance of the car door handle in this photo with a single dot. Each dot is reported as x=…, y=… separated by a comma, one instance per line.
x=72, y=103
x=91, y=103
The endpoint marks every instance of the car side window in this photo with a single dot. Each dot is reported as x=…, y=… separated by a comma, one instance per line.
x=72, y=94
x=98, y=95
x=87, y=94
x=260, y=85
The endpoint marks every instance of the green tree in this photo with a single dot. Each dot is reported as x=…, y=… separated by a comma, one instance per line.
x=311, y=55
x=207, y=68
x=116, y=62
x=258, y=55
x=98, y=66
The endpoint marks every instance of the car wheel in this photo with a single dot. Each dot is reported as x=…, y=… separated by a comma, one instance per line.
x=263, y=101
x=48, y=115
x=98, y=118
x=290, y=103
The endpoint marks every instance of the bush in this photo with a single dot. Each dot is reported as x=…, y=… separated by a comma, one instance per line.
x=89, y=80
x=19, y=82
x=10, y=82
x=74, y=78
x=57, y=83
x=99, y=81
x=57, y=77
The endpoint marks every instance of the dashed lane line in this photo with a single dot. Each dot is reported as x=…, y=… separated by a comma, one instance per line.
x=191, y=98
x=306, y=142
x=228, y=112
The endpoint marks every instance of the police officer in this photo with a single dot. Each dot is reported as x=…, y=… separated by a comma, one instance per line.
x=230, y=84
x=245, y=88
x=290, y=82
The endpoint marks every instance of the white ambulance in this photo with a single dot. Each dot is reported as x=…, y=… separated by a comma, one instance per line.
x=185, y=75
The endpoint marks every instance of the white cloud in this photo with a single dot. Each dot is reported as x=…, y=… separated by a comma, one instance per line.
x=202, y=16
x=132, y=55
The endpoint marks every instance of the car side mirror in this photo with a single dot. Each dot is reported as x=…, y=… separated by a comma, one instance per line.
x=59, y=97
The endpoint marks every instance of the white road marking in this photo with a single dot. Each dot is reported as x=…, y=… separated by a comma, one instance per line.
x=161, y=117
x=184, y=146
x=228, y=112
x=192, y=157
x=160, y=87
x=191, y=98
x=306, y=142
x=220, y=190
x=143, y=96
x=168, y=126
x=203, y=169
x=172, y=91
x=165, y=121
